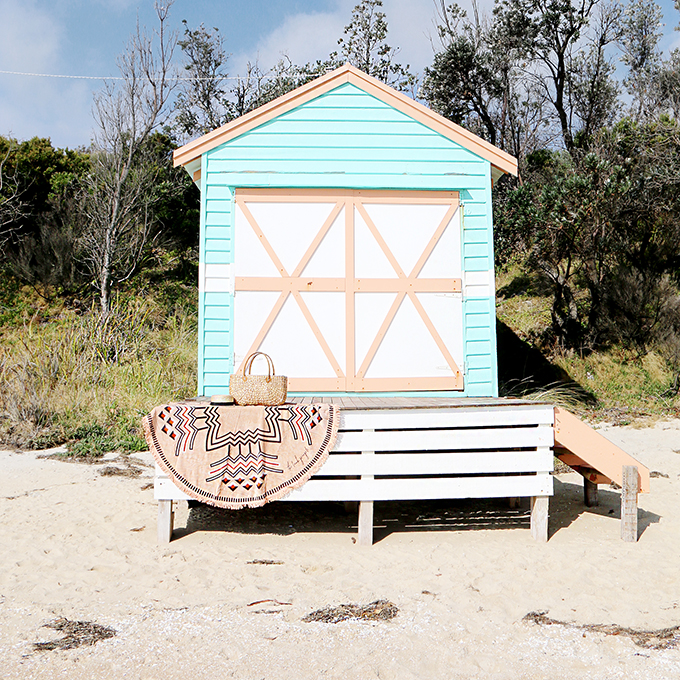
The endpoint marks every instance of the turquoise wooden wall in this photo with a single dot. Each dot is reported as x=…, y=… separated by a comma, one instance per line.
x=345, y=138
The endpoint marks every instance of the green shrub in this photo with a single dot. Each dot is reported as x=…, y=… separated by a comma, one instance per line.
x=73, y=379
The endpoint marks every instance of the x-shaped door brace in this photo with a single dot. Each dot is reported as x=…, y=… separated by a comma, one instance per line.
x=293, y=283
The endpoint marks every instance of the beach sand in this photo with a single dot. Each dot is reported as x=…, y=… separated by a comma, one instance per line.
x=227, y=597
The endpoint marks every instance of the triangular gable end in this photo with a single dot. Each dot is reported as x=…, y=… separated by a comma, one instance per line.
x=189, y=155
x=352, y=108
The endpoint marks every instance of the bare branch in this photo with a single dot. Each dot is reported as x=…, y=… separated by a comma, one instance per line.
x=11, y=205
x=119, y=192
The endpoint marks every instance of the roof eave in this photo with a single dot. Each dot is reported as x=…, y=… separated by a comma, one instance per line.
x=499, y=159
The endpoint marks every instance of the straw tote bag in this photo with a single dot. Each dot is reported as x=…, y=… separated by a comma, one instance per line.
x=258, y=390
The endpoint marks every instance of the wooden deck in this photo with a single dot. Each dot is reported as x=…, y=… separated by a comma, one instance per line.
x=424, y=449
x=368, y=403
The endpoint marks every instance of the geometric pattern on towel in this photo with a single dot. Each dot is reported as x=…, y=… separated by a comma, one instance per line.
x=240, y=456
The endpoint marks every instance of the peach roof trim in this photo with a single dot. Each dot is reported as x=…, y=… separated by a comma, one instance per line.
x=347, y=74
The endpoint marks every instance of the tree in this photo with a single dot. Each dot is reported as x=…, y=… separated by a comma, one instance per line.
x=11, y=206
x=667, y=85
x=258, y=87
x=364, y=46
x=532, y=73
x=640, y=40
x=177, y=204
x=464, y=83
x=206, y=103
x=203, y=103
x=607, y=223
x=33, y=171
x=47, y=258
x=119, y=191
x=475, y=82
x=551, y=32
x=593, y=90
x=546, y=220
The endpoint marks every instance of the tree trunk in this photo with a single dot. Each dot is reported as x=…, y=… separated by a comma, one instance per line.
x=105, y=278
x=565, y=317
x=105, y=294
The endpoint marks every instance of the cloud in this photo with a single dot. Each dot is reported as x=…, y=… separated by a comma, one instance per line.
x=411, y=25
x=31, y=40
x=302, y=37
x=309, y=36
x=29, y=37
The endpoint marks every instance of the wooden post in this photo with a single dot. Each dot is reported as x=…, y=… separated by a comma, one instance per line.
x=165, y=521
x=590, y=497
x=365, y=536
x=365, y=523
x=539, y=518
x=629, y=508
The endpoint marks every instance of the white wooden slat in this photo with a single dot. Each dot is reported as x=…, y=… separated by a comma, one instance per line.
x=468, y=462
x=218, y=271
x=478, y=284
x=416, y=418
x=219, y=286
x=217, y=278
x=165, y=489
x=481, y=278
x=445, y=440
x=425, y=489
x=346, y=489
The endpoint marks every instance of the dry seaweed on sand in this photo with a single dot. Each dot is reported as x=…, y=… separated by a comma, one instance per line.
x=75, y=634
x=665, y=638
x=114, y=471
x=266, y=562
x=380, y=610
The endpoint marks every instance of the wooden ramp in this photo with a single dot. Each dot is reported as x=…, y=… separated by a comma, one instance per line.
x=588, y=452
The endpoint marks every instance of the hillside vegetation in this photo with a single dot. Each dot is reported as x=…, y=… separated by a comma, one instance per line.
x=66, y=377
x=618, y=383
x=98, y=246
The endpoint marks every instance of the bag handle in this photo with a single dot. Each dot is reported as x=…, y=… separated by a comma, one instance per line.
x=249, y=365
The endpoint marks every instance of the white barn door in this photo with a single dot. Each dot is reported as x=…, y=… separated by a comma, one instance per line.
x=351, y=290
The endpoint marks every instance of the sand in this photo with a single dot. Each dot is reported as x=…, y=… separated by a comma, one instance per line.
x=80, y=545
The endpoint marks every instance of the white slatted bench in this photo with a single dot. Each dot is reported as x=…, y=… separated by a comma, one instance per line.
x=394, y=449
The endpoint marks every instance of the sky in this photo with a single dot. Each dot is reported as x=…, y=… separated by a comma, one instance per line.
x=84, y=38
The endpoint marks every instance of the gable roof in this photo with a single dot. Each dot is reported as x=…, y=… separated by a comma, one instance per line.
x=501, y=161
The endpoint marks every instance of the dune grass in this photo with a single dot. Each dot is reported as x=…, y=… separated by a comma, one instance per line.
x=66, y=377
x=617, y=383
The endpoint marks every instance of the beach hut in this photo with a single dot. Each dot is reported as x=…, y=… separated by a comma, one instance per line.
x=346, y=230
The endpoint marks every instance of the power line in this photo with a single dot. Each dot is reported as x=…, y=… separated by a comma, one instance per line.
x=54, y=75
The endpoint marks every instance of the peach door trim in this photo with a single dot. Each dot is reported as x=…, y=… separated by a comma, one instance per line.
x=350, y=351
x=269, y=283
x=292, y=284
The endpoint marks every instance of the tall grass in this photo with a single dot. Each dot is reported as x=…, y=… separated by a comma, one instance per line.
x=619, y=383
x=76, y=378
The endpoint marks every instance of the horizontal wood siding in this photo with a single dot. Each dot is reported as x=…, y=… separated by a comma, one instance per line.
x=216, y=299
x=347, y=139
